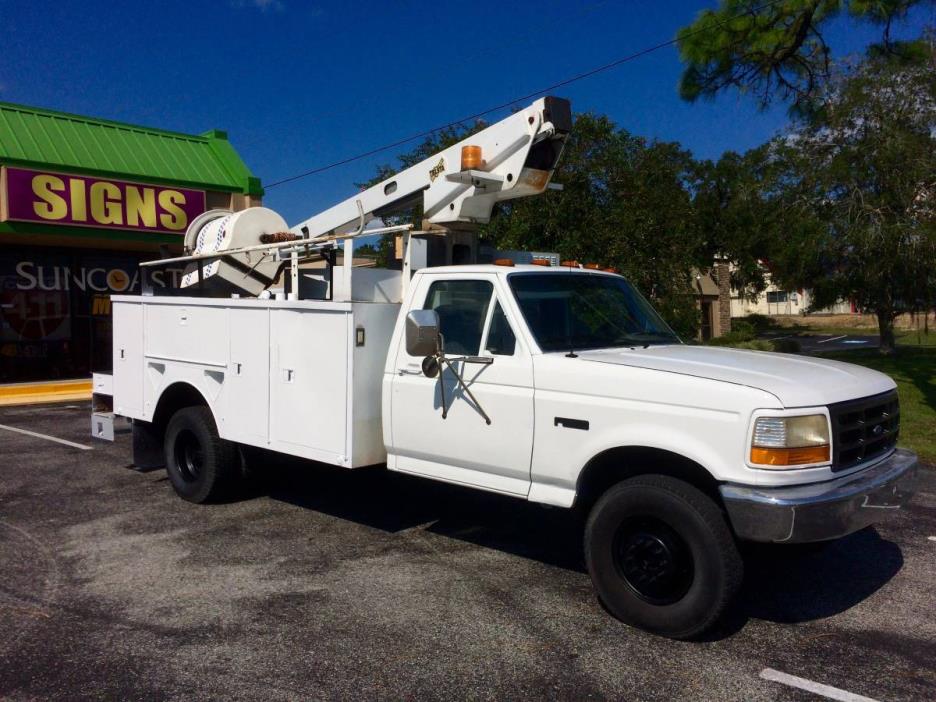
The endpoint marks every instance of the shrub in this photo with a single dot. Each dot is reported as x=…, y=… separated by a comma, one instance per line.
x=742, y=330
x=738, y=342
x=786, y=345
x=732, y=338
x=754, y=345
x=760, y=322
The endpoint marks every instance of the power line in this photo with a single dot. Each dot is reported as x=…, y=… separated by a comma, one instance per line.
x=550, y=88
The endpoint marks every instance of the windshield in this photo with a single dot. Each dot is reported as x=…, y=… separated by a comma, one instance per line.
x=587, y=311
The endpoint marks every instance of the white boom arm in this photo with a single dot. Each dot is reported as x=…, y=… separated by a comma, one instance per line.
x=241, y=251
x=519, y=155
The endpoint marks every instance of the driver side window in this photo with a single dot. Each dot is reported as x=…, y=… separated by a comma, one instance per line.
x=462, y=306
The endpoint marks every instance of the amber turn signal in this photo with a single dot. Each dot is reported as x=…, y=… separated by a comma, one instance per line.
x=789, y=456
x=471, y=158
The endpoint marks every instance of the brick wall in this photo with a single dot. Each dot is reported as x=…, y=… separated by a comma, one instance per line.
x=723, y=316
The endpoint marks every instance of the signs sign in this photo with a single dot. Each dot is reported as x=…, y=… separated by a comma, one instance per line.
x=85, y=201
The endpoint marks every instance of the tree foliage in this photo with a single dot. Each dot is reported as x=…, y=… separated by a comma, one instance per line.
x=774, y=49
x=626, y=202
x=855, y=183
x=736, y=214
x=645, y=207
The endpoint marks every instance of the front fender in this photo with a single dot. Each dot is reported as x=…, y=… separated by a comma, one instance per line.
x=610, y=407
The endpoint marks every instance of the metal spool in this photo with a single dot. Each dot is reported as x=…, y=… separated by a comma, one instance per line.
x=216, y=231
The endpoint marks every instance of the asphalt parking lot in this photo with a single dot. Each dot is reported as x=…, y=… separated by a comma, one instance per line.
x=370, y=585
x=820, y=343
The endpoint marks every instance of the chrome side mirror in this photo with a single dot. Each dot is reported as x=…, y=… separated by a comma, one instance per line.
x=422, y=333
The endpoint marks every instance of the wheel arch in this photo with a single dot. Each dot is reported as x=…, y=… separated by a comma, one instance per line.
x=613, y=465
x=176, y=396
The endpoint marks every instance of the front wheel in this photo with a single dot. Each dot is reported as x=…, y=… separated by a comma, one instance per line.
x=202, y=466
x=661, y=556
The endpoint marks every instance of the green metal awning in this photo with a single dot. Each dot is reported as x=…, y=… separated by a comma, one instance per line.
x=38, y=138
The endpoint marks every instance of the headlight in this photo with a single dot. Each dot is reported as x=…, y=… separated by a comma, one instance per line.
x=790, y=441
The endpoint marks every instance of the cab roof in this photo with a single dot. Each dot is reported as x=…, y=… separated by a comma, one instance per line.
x=506, y=270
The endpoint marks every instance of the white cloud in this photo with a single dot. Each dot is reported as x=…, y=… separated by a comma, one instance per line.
x=262, y=5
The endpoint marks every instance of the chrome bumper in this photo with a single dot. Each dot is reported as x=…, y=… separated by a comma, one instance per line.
x=821, y=511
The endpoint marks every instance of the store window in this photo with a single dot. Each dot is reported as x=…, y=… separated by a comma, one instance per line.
x=55, y=310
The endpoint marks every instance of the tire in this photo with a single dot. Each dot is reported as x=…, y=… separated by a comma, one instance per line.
x=202, y=467
x=661, y=556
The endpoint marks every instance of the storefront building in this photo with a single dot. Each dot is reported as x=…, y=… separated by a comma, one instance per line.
x=82, y=202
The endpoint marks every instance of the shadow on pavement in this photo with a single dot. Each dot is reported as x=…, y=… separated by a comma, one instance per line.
x=393, y=502
x=790, y=585
x=783, y=584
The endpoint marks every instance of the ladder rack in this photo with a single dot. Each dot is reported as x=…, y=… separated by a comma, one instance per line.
x=289, y=253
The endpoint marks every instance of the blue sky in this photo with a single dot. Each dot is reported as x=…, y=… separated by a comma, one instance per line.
x=299, y=84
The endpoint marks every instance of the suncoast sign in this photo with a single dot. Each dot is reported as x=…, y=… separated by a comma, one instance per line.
x=85, y=201
x=30, y=275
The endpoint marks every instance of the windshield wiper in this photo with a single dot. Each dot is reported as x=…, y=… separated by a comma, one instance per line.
x=641, y=339
x=655, y=335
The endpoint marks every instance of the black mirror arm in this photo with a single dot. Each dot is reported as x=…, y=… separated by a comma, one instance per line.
x=439, y=359
x=448, y=362
x=483, y=360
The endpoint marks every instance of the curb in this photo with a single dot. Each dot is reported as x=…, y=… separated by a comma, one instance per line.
x=44, y=392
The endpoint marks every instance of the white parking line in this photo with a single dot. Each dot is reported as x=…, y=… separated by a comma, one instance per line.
x=931, y=538
x=47, y=437
x=833, y=693
x=834, y=338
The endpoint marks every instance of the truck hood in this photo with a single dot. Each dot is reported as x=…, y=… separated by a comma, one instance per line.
x=797, y=381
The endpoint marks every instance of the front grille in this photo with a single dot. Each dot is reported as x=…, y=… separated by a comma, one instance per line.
x=863, y=429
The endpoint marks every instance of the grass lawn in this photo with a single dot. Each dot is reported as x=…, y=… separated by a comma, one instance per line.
x=913, y=367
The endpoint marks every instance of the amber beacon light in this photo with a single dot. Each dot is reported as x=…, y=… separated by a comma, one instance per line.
x=471, y=158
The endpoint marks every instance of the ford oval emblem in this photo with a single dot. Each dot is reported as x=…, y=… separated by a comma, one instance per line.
x=878, y=430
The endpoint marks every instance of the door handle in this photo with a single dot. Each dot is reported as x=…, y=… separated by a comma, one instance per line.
x=407, y=371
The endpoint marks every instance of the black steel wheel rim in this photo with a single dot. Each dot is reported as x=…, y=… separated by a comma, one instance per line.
x=189, y=455
x=654, y=560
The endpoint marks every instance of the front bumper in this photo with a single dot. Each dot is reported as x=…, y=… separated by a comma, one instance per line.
x=822, y=511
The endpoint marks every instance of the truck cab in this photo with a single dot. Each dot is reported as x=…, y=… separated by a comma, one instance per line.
x=582, y=396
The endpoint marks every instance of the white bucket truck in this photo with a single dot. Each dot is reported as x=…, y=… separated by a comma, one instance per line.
x=552, y=383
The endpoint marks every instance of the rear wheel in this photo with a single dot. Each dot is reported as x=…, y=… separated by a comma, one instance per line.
x=201, y=465
x=661, y=556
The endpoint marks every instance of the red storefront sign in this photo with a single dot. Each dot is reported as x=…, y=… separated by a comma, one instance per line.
x=85, y=201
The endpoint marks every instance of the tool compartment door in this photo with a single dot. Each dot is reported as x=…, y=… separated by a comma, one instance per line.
x=246, y=395
x=309, y=383
x=128, y=359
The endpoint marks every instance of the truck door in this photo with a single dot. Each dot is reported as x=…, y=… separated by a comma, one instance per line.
x=463, y=448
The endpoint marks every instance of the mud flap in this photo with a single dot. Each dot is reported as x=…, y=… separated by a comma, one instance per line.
x=147, y=447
